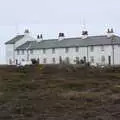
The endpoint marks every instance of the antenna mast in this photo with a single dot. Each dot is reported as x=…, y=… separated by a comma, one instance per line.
x=17, y=29
x=84, y=24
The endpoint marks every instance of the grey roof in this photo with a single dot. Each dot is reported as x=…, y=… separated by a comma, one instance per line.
x=71, y=42
x=15, y=39
x=27, y=45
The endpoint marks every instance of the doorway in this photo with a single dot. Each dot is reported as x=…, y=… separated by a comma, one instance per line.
x=109, y=60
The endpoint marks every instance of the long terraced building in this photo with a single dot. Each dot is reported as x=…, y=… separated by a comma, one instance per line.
x=103, y=49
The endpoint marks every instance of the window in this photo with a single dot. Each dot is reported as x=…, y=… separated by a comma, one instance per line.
x=91, y=48
x=44, y=60
x=109, y=60
x=66, y=50
x=53, y=50
x=18, y=52
x=53, y=60
x=77, y=49
x=119, y=45
x=16, y=61
x=23, y=60
x=38, y=60
x=92, y=59
x=10, y=61
x=67, y=60
x=103, y=59
x=84, y=59
x=22, y=52
x=44, y=51
x=31, y=51
x=77, y=60
x=102, y=48
x=60, y=60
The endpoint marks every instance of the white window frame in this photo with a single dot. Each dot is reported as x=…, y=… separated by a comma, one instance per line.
x=92, y=48
x=77, y=49
x=44, y=51
x=67, y=60
x=23, y=52
x=92, y=60
x=31, y=51
x=18, y=52
x=102, y=59
x=53, y=50
x=102, y=48
x=45, y=60
x=54, y=60
x=66, y=50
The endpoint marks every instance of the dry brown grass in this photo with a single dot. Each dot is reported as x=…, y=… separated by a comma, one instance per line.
x=54, y=92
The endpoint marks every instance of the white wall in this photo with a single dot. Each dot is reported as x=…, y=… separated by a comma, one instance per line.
x=117, y=54
x=10, y=50
x=21, y=56
x=98, y=53
x=10, y=54
x=72, y=54
x=83, y=52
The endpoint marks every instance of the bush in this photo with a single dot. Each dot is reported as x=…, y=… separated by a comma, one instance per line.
x=34, y=61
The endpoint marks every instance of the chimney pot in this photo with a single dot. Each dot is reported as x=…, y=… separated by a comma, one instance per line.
x=61, y=36
x=84, y=34
x=110, y=32
x=26, y=32
x=39, y=37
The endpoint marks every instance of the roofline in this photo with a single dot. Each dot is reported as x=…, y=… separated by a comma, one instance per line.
x=81, y=37
x=6, y=43
x=68, y=47
x=9, y=42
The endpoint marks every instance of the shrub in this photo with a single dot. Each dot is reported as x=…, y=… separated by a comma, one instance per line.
x=34, y=61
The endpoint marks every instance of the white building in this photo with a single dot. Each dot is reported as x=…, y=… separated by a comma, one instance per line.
x=104, y=49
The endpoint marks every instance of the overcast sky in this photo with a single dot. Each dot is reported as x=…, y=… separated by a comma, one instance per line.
x=50, y=17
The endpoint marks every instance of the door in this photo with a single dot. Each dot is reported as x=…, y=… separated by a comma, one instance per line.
x=84, y=59
x=16, y=61
x=109, y=60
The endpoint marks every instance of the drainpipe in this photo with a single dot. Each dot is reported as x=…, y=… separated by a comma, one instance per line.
x=112, y=41
x=87, y=55
x=113, y=54
x=14, y=54
x=27, y=49
x=27, y=54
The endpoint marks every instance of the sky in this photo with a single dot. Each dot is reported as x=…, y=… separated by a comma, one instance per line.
x=50, y=17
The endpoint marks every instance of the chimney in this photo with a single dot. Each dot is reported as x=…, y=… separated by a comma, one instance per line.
x=110, y=32
x=84, y=34
x=61, y=36
x=39, y=38
x=26, y=32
